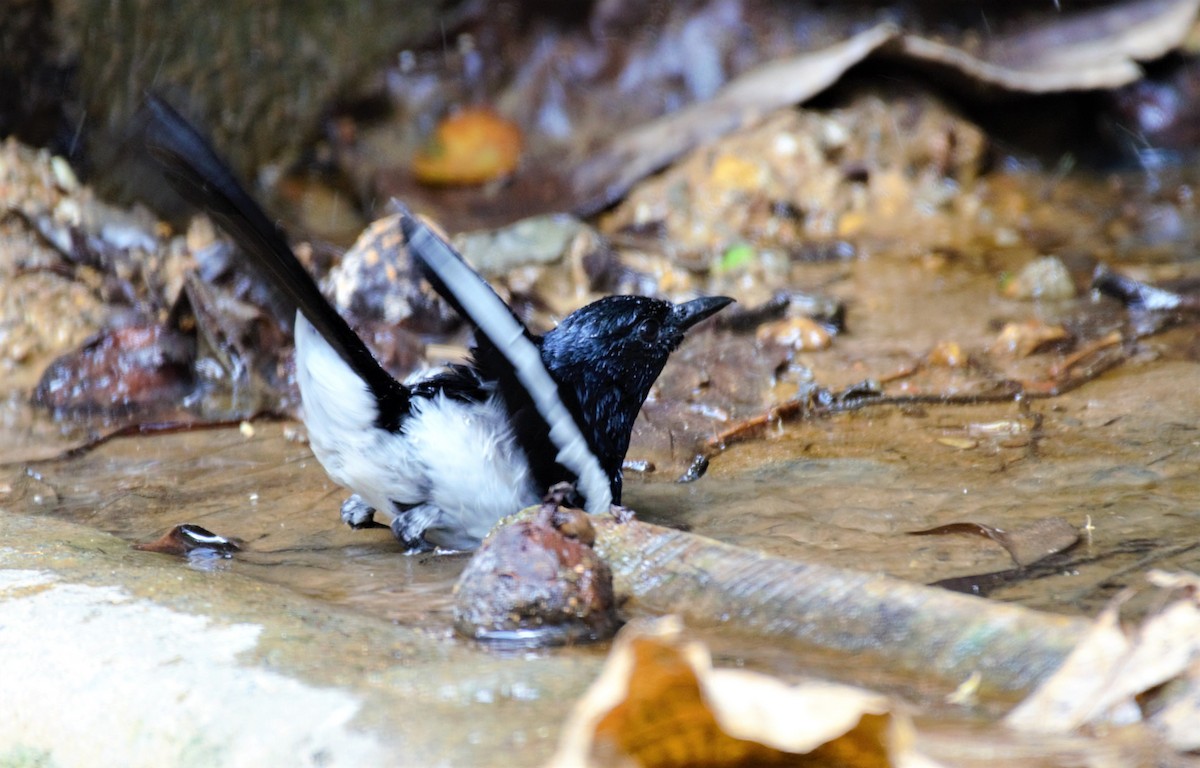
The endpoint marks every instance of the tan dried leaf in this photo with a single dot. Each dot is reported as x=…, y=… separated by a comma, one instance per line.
x=1101, y=680
x=659, y=702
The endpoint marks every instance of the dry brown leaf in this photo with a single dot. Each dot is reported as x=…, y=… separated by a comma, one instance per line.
x=659, y=702
x=1064, y=701
x=1098, y=48
x=608, y=175
x=469, y=147
x=1025, y=338
x=1101, y=680
x=1027, y=544
x=1164, y=647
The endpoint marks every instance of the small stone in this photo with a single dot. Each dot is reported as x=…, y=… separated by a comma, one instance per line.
x=537, y=582
x=64, y=175
x=799, y=333
x=947, y=354
x=958, y=443
x=1046, y=278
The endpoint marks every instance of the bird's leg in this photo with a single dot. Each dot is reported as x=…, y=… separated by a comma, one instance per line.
x=358, y=514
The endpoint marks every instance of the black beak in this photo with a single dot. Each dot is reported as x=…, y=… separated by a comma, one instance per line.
x=691, y=312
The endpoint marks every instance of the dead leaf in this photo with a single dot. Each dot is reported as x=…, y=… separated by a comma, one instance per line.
x=1064, y=701
x=187, y=538
x=744, y=101
x=1088, y=50
x=1101, y=680
x=1092, y=49
x=659, y=702
x=470, y=147
x=1026, y=544
x=1024, y=339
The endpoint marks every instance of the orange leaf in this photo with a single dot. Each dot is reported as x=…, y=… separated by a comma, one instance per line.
x=469, y=147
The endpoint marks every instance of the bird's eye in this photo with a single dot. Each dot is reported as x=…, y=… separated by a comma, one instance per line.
x=648, y=330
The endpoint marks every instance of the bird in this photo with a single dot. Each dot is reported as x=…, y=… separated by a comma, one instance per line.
x=444, y=455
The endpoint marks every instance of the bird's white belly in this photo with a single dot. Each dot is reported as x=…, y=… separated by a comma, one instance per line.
x=460, y=458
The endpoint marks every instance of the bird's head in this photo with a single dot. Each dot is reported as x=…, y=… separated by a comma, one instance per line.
x=608, y=355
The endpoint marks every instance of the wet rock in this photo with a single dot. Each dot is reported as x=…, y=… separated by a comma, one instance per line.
x=119, y=370
x=377, y=281
x=824, y=177
x=536, y=240
x=537, y=581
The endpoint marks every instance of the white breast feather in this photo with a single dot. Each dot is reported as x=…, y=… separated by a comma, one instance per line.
x=460, y=457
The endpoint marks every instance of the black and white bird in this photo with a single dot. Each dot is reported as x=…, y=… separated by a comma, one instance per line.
x=441, y=458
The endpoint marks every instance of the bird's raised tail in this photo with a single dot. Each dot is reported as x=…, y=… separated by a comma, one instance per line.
x=475, y=300
x=199, y=175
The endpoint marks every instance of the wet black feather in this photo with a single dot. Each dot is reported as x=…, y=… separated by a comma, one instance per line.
x=196, y=172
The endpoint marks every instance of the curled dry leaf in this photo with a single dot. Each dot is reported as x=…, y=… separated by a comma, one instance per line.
x=1097, y=48
x=1027, y=544
x=186, y=539
x=1024, y=339
x=1107, y=676
x=607, y=176
x=659, y=702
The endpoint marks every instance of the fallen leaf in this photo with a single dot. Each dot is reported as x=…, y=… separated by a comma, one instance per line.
x=607, y=176
x=470, y=147
x=186, y=539
x=1065, y=701
x=659, y=702
x=1024, y=339
x=1026, y=544
x=1087, y=50
x=1102, y=680
x=1098, y=48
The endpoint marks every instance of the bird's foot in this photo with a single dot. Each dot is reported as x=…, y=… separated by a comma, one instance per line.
x=621, y=514
x=561, y=495
x=408, y=535
x=358, y=514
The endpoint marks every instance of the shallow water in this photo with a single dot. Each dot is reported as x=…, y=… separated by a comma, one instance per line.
x=845, y=490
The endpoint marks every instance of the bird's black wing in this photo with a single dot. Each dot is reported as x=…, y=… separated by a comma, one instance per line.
x=457, y=382
x=512, y=355
x=198, y=174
